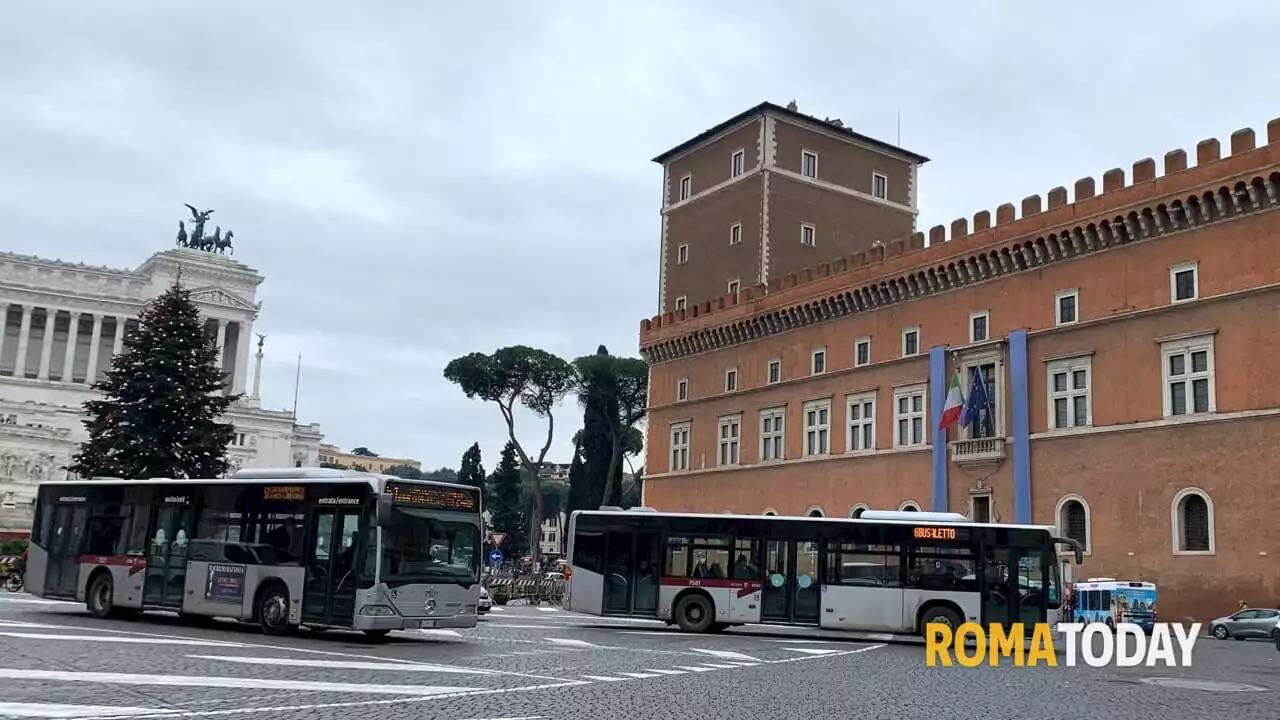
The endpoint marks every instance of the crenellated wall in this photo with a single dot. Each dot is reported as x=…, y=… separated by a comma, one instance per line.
x=1016, y=239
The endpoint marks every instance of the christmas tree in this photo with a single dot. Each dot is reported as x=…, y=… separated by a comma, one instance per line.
x=162, y=398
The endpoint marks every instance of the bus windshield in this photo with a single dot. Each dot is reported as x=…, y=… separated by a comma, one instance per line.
x=419, y=547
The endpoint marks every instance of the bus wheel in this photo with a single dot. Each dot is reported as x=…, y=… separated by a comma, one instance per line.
x=273, y=609
x=939, y=615
x=100, y=597
x=694, y=613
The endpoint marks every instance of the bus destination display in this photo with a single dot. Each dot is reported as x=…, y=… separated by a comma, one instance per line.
x=284, y=492
x=436, y=498
x=935, y=533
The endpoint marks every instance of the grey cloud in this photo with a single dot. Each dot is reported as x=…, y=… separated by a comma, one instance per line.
x=420, y=180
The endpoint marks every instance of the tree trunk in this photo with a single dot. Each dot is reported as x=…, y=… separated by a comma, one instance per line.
x=535, y=518
x=615, y=459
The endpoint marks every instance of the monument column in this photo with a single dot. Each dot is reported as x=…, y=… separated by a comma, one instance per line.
x=222, y=342
x=46, y=347
x=69, y=358
x=91, y=374
x=241, y=372
x=24, y=337
x=117, y=342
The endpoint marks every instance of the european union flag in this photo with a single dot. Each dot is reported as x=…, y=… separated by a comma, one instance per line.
x=978, y=402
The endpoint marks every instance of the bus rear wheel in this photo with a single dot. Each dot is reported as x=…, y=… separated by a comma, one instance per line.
x=100, y=596
x=273, y=609
x=939, y=615
x=695, y=613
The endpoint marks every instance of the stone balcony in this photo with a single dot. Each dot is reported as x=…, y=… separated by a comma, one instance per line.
x=983, y=451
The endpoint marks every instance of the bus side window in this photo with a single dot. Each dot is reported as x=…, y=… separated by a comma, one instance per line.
x=139, y=519
x=588, y=551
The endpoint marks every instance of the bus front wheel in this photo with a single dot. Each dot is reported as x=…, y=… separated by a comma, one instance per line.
x=695, y=613
x=273, y=609
x=377, y=635
x=100, y=597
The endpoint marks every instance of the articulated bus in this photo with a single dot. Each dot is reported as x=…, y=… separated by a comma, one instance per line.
x=280, y=548
x=886, y=572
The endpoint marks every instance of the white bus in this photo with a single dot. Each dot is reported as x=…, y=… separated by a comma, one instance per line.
x=886, y=572
x=281, y=548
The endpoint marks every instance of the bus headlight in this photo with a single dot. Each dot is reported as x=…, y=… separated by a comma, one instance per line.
x=376, y=610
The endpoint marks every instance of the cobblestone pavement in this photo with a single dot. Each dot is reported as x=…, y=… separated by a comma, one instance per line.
x=544, y=663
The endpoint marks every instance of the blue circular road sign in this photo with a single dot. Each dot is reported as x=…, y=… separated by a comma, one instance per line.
x=495, y=557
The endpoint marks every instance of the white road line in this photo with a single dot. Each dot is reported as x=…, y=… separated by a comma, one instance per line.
x=639, y=676
x=813, y=651
x=801, y=642
x=224, y=682
x=548, y=609
x=119, y=639
x=347, y=704
x=743, y=664
x=54, y=710
x=720, y=666
x=34, y=601
x=576, y=643
x=603, y=678
x=346, y=664
x=529, y=627
x=665, y=672
x=695, y=668
x=726, y=654
x=839, y=653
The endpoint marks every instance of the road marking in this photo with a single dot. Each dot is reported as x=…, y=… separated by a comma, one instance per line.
x=726, y=654
x=529, y=627
x=639, y=676
x=34, y=601
x=224, y=682
x=603, y=678
x=694, y=668
x=346, y=664
x=346, y=704
x=798, y=641
x=496, y=609
x=576, y=643
x=664, y=672
x=430, y=632
x=813, y=651
x=119, y=639
x=548, y=609
x=720, y=666
x=54, y=710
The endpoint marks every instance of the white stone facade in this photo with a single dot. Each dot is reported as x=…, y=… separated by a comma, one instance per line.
x=62, y=325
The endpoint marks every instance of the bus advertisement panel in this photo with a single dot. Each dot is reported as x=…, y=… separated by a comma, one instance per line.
x=282, y=548
x=893, y=574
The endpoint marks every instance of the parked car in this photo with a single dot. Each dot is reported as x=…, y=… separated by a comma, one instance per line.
x=1275, y=634
x=486, y=603
x=1250, y=623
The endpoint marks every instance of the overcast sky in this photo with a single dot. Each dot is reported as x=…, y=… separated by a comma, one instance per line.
x=417, y=181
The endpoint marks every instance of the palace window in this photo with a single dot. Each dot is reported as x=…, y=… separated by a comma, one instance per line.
x=773, y=427
x=1189, y=376
x=908, y=416
x=1066, y=304
x=817, y=428
x=1069, y=393
x=737, y=163
x=860, y=434
x=680, y=447
x=862, y=352
x=730, y=440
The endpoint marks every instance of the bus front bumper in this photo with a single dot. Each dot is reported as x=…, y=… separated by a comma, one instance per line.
x=399, y=622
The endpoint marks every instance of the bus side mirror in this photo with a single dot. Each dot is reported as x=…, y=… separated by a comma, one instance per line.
x=382, y=514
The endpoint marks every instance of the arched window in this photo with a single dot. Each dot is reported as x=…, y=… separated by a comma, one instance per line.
x=771, y=512
x=1192, y=519
x=815, y=511
x=857, y=510
x=909, y=506
x=1075, y=521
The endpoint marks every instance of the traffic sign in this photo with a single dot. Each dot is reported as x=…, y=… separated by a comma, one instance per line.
x=495, y=557
x=497, y=538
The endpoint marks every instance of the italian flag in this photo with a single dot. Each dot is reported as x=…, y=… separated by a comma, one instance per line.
x=955, y=404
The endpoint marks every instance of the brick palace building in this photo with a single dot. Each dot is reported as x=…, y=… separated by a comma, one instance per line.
x=1129, y=340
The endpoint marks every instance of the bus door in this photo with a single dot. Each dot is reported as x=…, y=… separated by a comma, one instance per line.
x=65, y=541
x=631, y=581
x=171, y=527
x=1014, y=586
x=791, y=592
x=329, y=597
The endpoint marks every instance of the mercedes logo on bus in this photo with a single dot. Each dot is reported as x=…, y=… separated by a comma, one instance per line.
x=430, y=605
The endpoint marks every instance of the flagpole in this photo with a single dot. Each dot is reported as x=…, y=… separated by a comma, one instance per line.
x=297, y=380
